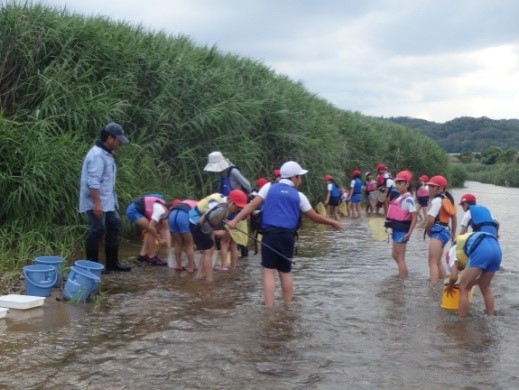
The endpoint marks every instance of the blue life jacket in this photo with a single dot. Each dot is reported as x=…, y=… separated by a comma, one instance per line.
x=335, y=193
x=481, y=219
x=357, y=188
x=281, y=207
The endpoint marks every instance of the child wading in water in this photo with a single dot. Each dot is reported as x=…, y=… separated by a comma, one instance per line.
x=440, y=213
x=401, y=218
x=422, y=197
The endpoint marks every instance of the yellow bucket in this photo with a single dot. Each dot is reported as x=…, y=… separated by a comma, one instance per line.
x=452, y=302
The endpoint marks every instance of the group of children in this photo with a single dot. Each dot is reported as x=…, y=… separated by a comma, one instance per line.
x=191, y=225
x=374, y=192
x=477, y=254
x=433, y=207
x=203, y=224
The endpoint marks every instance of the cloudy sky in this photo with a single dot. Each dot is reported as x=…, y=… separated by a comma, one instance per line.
x=429, y=59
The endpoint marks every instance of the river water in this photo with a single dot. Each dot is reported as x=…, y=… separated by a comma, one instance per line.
x=353, y=324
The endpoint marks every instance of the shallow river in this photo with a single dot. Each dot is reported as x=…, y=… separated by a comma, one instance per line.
x=354, y=324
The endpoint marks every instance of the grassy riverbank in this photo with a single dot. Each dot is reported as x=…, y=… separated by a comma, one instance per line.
x=63, y=76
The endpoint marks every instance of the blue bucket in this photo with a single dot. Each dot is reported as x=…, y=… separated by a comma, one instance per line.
x=80, y=284
x=55, y=261
x=92, y=266
x=39, y=279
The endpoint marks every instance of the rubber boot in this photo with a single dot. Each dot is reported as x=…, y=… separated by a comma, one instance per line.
x=112, y=260
x=92, y=255
x=244, y=250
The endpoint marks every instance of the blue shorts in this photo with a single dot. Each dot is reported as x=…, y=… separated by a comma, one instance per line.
x=486, y=256
x=398, y=236
x=282, y=241
x=356, y=198
x=178, y=221
x=132, y=214
x=441, y=233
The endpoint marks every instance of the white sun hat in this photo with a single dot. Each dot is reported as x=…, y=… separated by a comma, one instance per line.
x=217, y=162
x=290, y=169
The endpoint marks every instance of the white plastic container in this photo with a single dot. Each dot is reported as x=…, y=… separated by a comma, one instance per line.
x=20, y=302
x=3, y=312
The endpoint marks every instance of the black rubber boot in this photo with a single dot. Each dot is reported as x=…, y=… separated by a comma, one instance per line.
x=112, y=260
x=92, y=254
x=244, y=250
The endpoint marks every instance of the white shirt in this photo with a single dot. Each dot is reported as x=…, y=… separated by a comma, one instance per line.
x=408, y=204
x=435, y=207
x=159, y=212
x=452, y=256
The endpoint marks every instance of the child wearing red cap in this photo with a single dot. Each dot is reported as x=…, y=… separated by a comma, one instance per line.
x=333, y=197
x=477, y=216
x=204, y=234
x=355, y=193
x=401, y=218
x=422, y=198
x=441, y=212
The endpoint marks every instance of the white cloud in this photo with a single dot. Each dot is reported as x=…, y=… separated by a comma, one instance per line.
x=433, y=59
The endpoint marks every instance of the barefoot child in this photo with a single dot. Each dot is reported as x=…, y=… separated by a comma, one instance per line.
x=282, y=208
x=202, y=231
x=401, y=218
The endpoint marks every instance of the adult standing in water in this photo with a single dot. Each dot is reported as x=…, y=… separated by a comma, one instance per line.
x=282, y=207
x=97, y=197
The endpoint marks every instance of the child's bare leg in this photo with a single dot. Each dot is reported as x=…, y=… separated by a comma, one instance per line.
x=269, y=286
x=287, y=286
x=208, y=264
x=234, y=254
x=189, y=247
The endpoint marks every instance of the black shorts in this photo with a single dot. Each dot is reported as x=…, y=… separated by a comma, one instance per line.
x=202, y=240
x=423, y=201
x=334, y=201
x=277, y=240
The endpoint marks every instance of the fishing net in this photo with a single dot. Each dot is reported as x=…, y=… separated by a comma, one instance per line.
x=213, y=218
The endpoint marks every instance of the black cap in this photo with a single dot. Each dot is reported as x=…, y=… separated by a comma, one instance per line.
x=117, y=130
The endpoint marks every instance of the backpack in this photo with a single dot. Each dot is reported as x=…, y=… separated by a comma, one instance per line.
x=224, y=186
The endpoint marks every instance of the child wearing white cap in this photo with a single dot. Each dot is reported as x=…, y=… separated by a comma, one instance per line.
x=282, y=205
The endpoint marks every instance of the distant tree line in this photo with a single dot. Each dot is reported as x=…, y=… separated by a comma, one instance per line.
x=467, y=134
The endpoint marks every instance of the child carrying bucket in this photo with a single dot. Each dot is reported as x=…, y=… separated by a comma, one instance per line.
x=479, y=255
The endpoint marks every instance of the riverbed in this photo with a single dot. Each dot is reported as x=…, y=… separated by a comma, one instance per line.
x=354, y=323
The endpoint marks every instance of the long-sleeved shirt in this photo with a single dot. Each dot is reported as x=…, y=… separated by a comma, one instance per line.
x=98, y=172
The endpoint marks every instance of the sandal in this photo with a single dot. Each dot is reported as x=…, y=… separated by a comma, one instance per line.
x=157, y=261
x=180, y=269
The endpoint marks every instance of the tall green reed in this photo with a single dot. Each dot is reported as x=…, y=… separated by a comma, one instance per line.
x=63, y=76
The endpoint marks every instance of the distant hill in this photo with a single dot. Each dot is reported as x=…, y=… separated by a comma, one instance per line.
x=467, y=134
